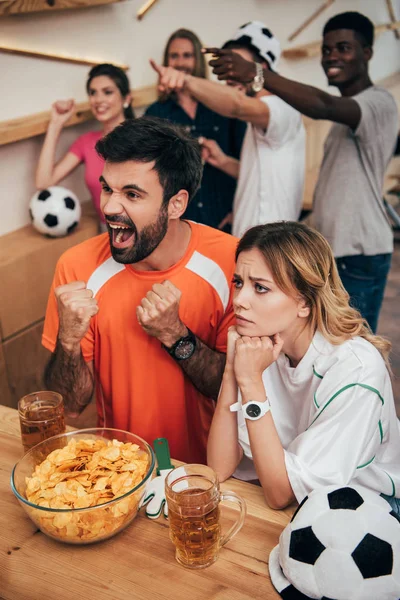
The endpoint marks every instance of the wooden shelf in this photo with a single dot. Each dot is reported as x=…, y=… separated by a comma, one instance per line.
x=303, y=51
x=144, y=9
x=23, y=128
x=16, y=7
x=59, y=57
x=314, y=48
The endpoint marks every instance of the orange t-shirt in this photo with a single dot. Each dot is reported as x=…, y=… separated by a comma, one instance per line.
x=139, y=387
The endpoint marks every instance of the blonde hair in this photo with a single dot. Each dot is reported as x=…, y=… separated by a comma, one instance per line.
x=302, y=263
x=200, y=69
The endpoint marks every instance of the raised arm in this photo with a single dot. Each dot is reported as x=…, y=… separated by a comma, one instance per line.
x=222, y=99
x=48, y=172
x=67, y=372
x=306, y=99
x=158, y=314
x=252, y=357
x=223, y=450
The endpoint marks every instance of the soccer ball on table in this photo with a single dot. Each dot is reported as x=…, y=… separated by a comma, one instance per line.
x=342, y=543
x=55, y=211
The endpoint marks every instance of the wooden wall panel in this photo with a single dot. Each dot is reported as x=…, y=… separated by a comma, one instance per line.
x=27, y=263
x=25, y=359
x=22, y=128
x=15, y=7
x=5, y=395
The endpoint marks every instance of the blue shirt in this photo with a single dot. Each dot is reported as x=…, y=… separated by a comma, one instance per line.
x=214, y=199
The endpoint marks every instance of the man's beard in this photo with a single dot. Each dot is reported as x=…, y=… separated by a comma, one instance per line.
x=145, y=242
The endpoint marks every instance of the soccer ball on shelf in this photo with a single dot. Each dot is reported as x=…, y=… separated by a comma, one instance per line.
x=55, y=211
x=342, y=543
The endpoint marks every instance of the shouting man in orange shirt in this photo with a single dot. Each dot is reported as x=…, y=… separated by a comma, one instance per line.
x=143, y=310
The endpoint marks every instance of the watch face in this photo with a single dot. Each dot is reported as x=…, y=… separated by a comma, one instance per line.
x=184, y=349
x=253, y=410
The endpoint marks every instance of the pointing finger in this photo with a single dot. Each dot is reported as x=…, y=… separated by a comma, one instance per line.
x=216, y=51
x=156, y=67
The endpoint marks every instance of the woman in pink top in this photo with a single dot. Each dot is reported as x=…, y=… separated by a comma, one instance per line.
x=110, y=101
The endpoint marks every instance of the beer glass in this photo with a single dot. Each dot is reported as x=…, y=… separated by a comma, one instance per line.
x=193, y=497
x=41, y=415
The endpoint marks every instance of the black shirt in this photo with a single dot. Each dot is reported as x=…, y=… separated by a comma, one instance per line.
x=214, y=199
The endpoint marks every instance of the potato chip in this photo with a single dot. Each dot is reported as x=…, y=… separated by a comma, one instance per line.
x=87, y=473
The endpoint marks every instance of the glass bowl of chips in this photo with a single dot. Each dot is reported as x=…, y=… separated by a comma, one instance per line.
x=84, y=486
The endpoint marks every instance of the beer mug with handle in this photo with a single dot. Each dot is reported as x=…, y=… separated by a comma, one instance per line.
x=193, y=497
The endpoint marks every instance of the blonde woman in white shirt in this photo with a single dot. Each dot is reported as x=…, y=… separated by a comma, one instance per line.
x=306, y=398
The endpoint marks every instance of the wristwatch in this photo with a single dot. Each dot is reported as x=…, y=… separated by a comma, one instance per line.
x=183, y=348
x=252, y=410
x=258, y=81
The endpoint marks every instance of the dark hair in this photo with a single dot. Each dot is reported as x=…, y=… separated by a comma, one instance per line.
x=200, y=69
x=176, y=154
x=245, y=42
x=120, y=79
x=360, y=24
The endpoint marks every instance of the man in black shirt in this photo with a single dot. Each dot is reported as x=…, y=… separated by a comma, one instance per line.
x=213, y=202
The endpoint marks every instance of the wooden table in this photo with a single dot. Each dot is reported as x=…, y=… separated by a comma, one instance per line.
x=138, y=563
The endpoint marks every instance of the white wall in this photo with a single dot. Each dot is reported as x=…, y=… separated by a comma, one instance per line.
x=112, y=33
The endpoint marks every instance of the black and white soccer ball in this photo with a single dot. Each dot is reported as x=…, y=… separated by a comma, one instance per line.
x=55, y=211
x=342, y=543
x=257, y=36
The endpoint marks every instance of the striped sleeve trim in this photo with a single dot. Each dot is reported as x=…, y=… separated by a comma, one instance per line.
x=210, y=271
x=380, y=430
x=392, y=495
x=366, y=464
x=343, y=389
x=317, y=374
x=102, y=274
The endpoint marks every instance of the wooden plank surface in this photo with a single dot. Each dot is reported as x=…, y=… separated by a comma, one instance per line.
x=310, y=19
x=58, y=57
x=16, y=7
x=136, y=564
x=314, y=48
x=25, y=360
x=5, y=394
x=14, y=130
x=29, y=257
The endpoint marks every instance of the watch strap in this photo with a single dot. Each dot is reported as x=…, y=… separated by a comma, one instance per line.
x=258, y=81
x=265, y=407
x=190, y=337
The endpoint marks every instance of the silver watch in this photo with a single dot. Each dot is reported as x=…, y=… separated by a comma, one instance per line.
x=252, y=410
x=258, y=81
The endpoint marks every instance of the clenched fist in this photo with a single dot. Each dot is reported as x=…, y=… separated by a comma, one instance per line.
x=169, y=79
x=253, y=355
x=62, y=111
x=76, y=306
x=158, y=313
x=212, y=153
x=228, y=64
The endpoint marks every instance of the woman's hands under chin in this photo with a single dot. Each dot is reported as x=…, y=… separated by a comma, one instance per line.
x=233, y=336
x=253, y=355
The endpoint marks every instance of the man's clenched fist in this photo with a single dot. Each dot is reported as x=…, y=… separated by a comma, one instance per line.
x=76, y=306
x=158, y=313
